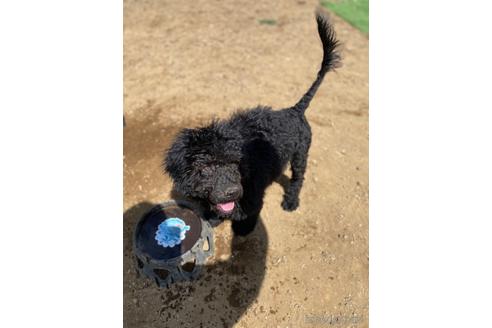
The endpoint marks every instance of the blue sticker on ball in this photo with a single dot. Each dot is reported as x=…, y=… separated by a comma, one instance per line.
x=171, y=232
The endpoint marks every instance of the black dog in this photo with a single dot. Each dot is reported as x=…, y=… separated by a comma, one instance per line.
x=227, y=165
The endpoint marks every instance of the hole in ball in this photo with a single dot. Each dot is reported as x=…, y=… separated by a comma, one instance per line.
x=206, y=245
x=140, y=264
x=161, y=273
x=188, y=266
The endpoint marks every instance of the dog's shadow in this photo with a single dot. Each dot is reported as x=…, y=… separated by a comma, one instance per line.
x=218, y=298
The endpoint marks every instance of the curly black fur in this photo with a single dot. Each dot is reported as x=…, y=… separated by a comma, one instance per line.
x=234, y=161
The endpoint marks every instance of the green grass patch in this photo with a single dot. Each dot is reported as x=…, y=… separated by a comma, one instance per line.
x=356, y=12
x=268, y=21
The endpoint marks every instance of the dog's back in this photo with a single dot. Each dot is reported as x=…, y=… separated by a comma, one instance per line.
x=286, y=132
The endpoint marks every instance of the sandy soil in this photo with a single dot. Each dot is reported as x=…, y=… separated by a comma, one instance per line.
x=186, y=62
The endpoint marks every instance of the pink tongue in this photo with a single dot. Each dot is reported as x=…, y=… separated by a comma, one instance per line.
x=226, y=207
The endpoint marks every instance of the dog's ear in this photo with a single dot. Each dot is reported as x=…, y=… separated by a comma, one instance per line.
x=174, y=158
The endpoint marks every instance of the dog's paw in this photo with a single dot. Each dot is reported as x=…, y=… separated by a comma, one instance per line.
x=243, y=228
x=289, y=204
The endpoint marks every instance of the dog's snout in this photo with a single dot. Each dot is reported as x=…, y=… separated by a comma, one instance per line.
x=232, y=192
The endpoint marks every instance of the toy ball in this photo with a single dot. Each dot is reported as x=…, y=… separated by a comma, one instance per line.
x=172, y=242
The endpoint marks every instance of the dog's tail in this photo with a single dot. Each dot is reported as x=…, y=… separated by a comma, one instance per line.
x=331, y=60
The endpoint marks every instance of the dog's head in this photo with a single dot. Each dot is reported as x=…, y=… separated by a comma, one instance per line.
x=204, y=164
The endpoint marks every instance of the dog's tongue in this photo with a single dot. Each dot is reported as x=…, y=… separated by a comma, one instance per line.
x=226, y=207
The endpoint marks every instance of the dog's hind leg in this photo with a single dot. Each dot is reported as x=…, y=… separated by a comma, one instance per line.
x=298, y=165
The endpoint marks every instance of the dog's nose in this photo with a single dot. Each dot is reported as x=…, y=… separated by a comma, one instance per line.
x=232, y=192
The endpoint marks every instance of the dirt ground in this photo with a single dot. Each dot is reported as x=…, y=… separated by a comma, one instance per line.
x=186, y=62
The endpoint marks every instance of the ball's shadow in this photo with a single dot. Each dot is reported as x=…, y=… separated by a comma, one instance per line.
x=218, y=298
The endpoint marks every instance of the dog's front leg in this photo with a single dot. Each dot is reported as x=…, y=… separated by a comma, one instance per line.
x=248, y=214
x=246, y=225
